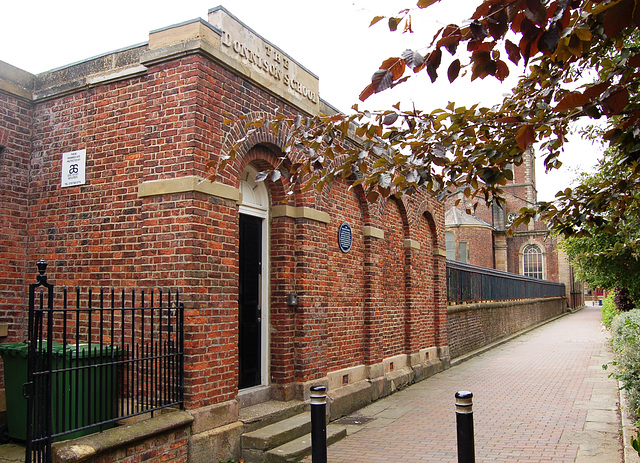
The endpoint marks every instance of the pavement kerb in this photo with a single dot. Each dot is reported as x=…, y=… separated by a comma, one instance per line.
x=493, y=345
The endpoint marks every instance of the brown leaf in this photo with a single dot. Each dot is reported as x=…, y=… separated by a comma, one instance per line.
x=435, y=36
x=583, y=34
x=372, y=196
x=451, y=37
x=571, y=101
x=482, y=10
x=632, y=120
x=634, y=61
x=612, y=134
x=513, y=51
x=528, y=43
x=533, y=5
x=407, y=25
x=454, y=70
x=498, y=25
x=484, y=46
x=575, y=45
x=549, y=39
x=433, y=62
x=376, y=19
x=536, y=12
x=395, y=65
x=502, y=70
x=426, y=3
x=478, y=31
x=618, y=17
x=617, y=101
x=594, y=91
x=507, y=120
x=367, y=92
x=525, y=137
x=480, y=64
x=391, y=69
x=516, y=23
x=432, y=71
x=399, y=81
x=435, y=58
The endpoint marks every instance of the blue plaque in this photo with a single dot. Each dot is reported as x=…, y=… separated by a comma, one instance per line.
x=345, y=237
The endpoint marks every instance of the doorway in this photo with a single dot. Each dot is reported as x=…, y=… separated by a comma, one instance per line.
x=249, y=302
x=253, y=276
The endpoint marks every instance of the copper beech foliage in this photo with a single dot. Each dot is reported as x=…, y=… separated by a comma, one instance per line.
x=582, y=60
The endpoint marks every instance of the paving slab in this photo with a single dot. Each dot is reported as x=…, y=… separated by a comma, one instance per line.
x=543, y=396
x=11, y=453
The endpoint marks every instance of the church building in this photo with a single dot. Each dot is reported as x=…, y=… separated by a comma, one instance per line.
x=479, y=237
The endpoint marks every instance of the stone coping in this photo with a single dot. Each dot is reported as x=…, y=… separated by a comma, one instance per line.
x=459, y=308
x=88, y=447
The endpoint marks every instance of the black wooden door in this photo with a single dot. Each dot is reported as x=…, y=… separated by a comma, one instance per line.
x=250, y=316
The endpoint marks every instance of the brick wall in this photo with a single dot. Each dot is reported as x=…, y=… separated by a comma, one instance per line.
x=547, y=244
x=15, y=147
x=391, y=324
x=345, y=287
x=479, y=241
x=376, y=301
x=472, y=326
x=171, y=446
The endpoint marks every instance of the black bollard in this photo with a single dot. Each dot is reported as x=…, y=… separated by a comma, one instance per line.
x=464, y=423
x=318, y=424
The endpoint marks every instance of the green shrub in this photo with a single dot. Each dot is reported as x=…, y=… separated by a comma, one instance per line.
x=609, y=310
x=626, y=348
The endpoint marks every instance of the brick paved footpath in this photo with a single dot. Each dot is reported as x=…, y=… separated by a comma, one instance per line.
x=542, y=396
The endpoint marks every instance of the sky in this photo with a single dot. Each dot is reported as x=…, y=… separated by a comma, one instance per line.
x=331, y=38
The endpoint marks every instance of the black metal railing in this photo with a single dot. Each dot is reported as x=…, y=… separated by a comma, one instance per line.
x=470, y=283
x=97, y=358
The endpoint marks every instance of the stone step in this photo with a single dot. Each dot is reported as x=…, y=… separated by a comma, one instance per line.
x=264, y=414
x=297, y=449
x=279, y=433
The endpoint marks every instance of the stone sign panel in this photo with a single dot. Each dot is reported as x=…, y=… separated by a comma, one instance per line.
x=260, y=57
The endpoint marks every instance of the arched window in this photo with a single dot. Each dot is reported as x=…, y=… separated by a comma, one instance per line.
x=532, y=261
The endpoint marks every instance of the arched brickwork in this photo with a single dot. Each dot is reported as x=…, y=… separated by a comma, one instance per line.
x=345, y=296
x=394, y=280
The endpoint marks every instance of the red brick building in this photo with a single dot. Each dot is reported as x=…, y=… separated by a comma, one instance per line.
x=102, y=165
x=480, y=238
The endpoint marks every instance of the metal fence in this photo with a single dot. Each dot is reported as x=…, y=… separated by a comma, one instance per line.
x=97, y=358
x=470, y=283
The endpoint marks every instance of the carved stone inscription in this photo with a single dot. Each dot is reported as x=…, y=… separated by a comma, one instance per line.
x=249, y=48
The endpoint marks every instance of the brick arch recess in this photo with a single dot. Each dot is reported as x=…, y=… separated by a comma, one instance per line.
x=346, y=279
x=430, y=280
x=261, y=139
x=393, y=279
x=264, y=156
